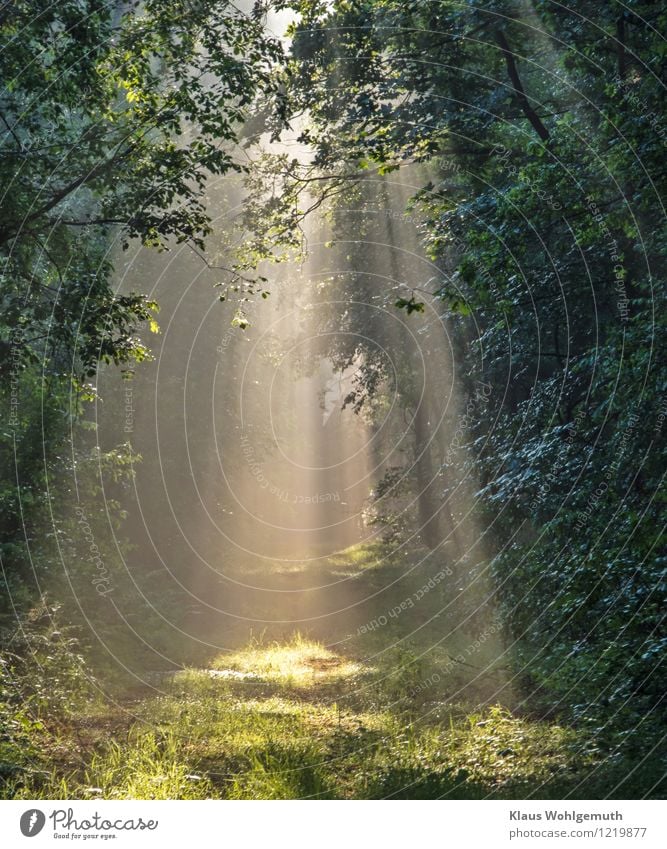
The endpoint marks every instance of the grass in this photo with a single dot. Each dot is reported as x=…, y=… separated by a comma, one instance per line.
x=308, y=723
x=286, y=717
x=298, y=663
x=145, y=766
x=361, y=558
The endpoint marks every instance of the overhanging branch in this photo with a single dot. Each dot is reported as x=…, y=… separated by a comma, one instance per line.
x=517, y=85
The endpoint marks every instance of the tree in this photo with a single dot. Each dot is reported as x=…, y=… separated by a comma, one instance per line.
x=540, y=132
x=113, y=116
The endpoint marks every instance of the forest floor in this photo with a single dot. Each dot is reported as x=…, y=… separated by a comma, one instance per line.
x=288, y=717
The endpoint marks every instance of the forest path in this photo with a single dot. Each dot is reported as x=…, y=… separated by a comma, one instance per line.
x=291, y=717
x=299, y=721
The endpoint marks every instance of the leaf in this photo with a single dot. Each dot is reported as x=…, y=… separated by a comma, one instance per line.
x=410, y=305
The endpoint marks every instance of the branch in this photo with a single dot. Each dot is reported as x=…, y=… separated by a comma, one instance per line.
x=234, y=272
x=53, y=263
x=61, y=194
x=620, y=45
x=11, y=131
x=94, y=222
x=513, y=73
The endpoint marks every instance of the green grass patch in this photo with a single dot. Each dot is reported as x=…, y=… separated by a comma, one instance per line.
x=300, y=721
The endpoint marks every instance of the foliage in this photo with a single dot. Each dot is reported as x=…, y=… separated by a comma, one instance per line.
x=540, y=146
x=112, y=123
x=112, y=119
x=525, y=145
x=44, y=680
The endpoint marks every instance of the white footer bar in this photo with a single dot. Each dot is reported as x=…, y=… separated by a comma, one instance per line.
x=334, y=825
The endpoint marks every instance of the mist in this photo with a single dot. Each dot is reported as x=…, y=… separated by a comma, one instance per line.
x=306, y=473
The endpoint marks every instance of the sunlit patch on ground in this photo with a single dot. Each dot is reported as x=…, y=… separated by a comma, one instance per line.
x=304, y=722
x=292, y=719
x=297, y=663
x=359, y=558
